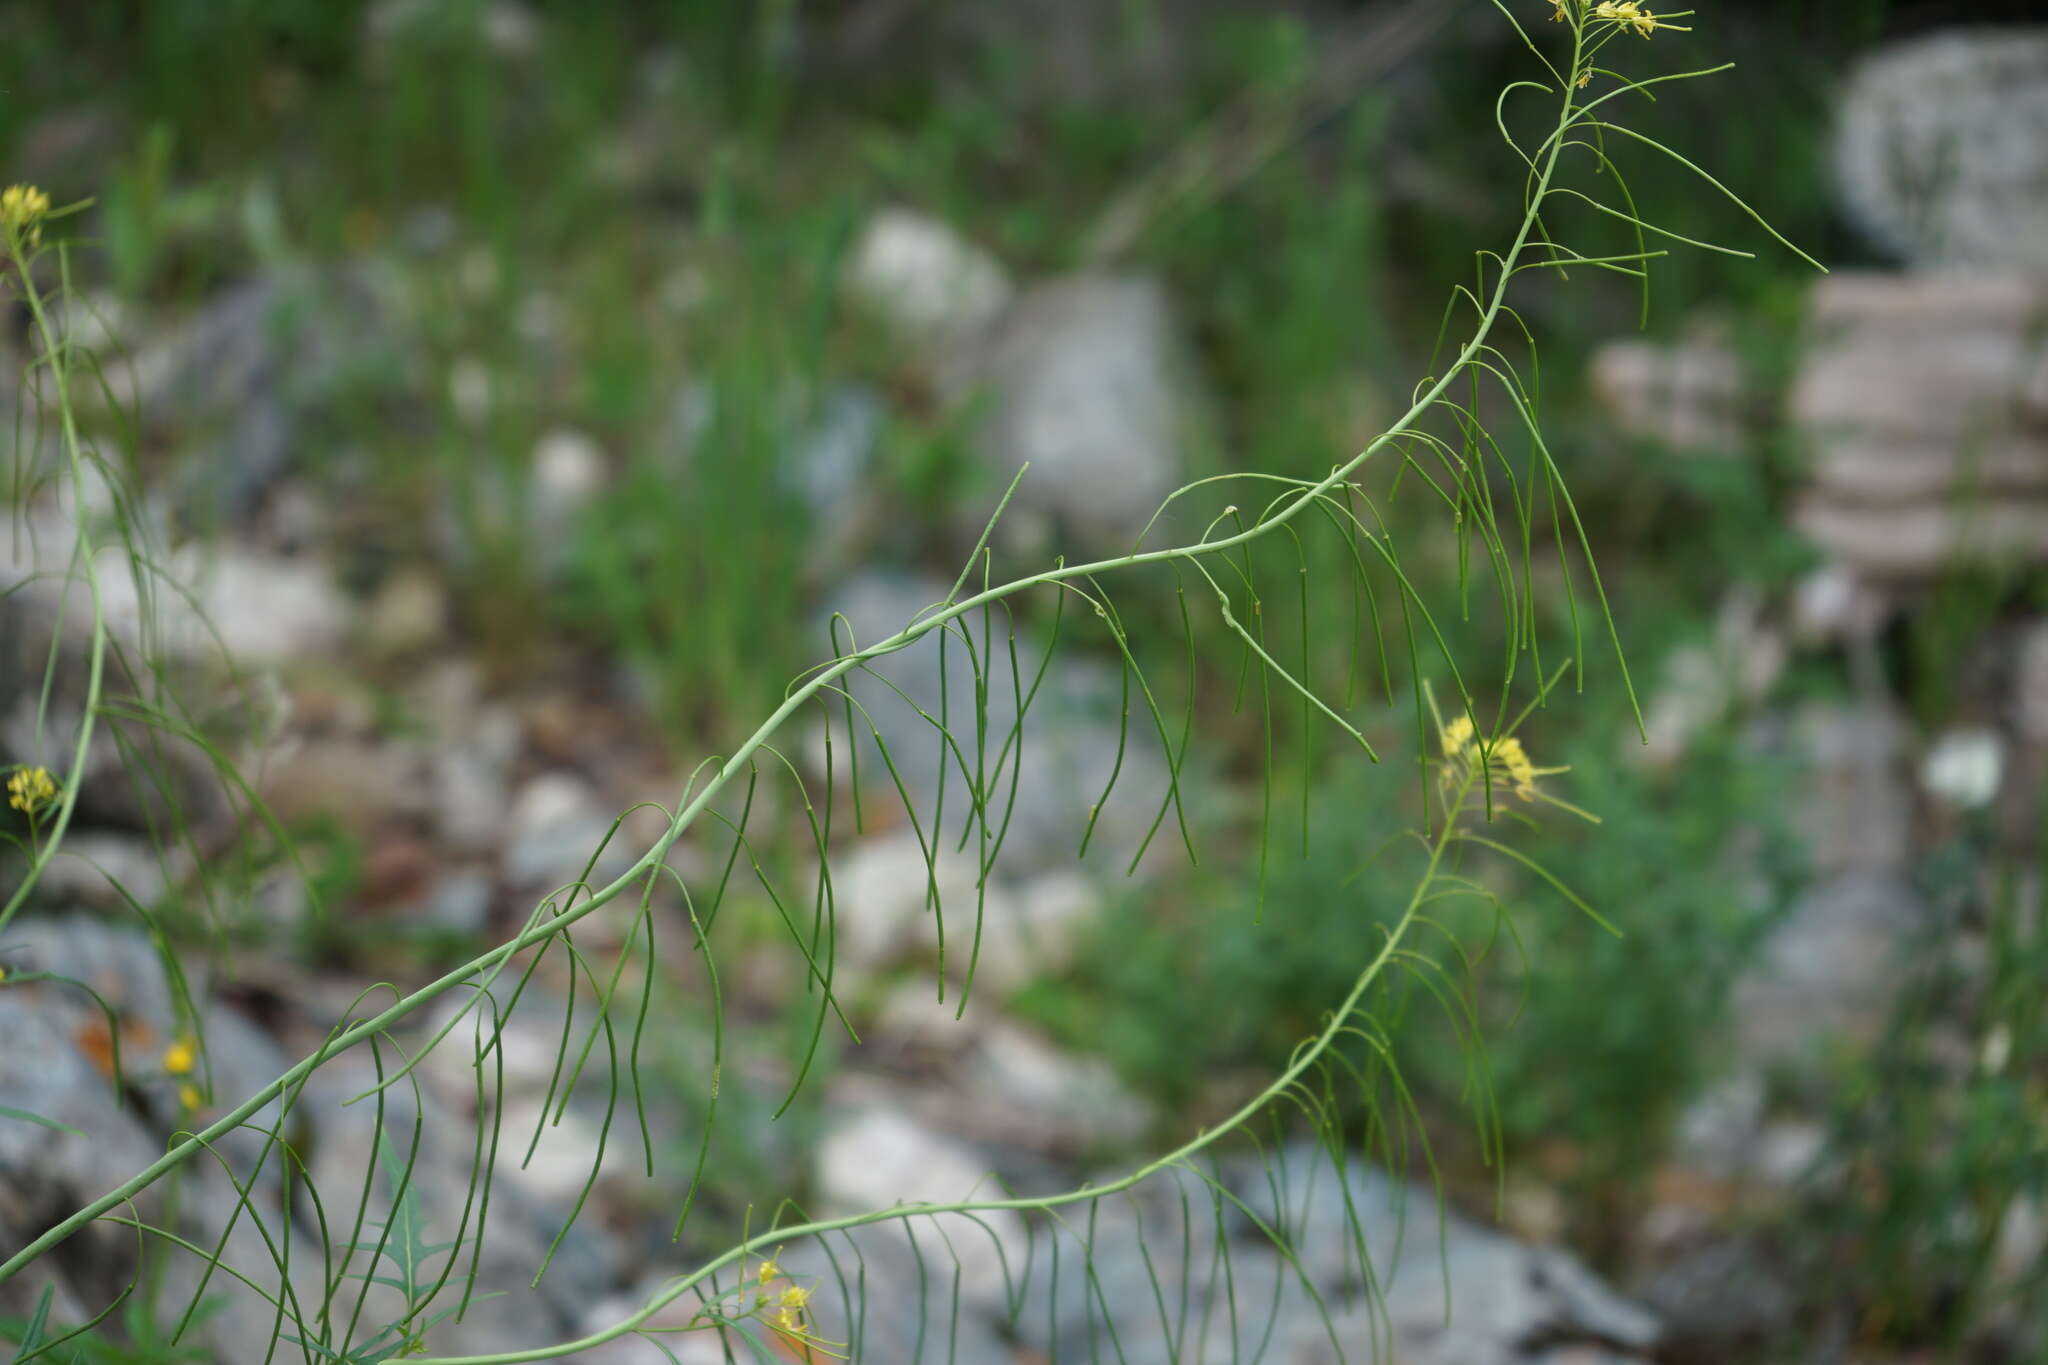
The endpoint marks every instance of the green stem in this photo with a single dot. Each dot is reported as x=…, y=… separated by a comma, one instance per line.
x=82, y=551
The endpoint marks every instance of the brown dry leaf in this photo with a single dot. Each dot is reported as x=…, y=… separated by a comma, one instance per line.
x=97, y=1043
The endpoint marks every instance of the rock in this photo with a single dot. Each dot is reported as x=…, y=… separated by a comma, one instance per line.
x=1026, y=929
x=409, y=614
x=1828, y=973
x=368, y=787
x=1504, y=1299
x=1921, y=401
x=106, y=870
x=236, y=384
x=519, y=1229
x=1689, y=396
x=1787, y=1150
x=1941, y=148
x=1718, y=1130
x=260, y=610
x=677, y=1345
x=554, y=827
x=830, y=464
x=2031, y=685
x=1857, y=812
x=458, y=903
x=1159, y=1244
x=58, y=1063
x=203, y=606
x=472, y=799
x=1702, y=683
x=926, y=281
x=568, y=470
x=1964, y=767
x=1833, y=605
x=876, y=1158
x=1089, y=384
x=1720, y=1297
x=1025, y=1090
x=880, y=888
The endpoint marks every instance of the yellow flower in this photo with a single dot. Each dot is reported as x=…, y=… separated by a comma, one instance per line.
x=769, y=1270
x=1511, y=757
x=1559, y=16
x=180, y=1056
x=30, y=789
x=795, y=1297
x=1628, y=14
x=189, y=1098
x=21, y=212
x=1457, y=736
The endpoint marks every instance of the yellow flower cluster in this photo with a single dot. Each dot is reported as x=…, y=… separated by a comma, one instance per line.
x=22, y=208
x=1505, y=759
x=30, y=789
x=783, y=1310
x=1629, y=14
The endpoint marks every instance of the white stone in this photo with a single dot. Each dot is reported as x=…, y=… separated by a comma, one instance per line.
x=1833, y=604
x=556, y=822
x=1092, y=390
x=877, y=1157
x=924, y=279
x=880, y=889
x=568, y=470
x=561, y=1161
x=1964, y=768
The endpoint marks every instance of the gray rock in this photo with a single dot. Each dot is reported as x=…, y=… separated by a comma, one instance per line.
x=1828, y=972
x=1720, y=1295
x=1088, y=383
x=105, y=870
x=2030, y=701
x=1856, y=816
x=236, y=382
x=1449, y=1291
x=1919, y=399
x=56, y=1064
x=555, y=825
x=459, y=903
x=1941, y=148
x=343, y=1154
x=830, y=465
x=1690, y=396
x=877, y=1157
x=1173, y=1272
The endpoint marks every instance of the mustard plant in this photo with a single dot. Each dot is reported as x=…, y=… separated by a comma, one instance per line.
x=1469, y=451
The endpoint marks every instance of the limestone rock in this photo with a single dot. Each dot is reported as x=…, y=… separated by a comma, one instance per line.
x=1941, y=148
x=1922, y=402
